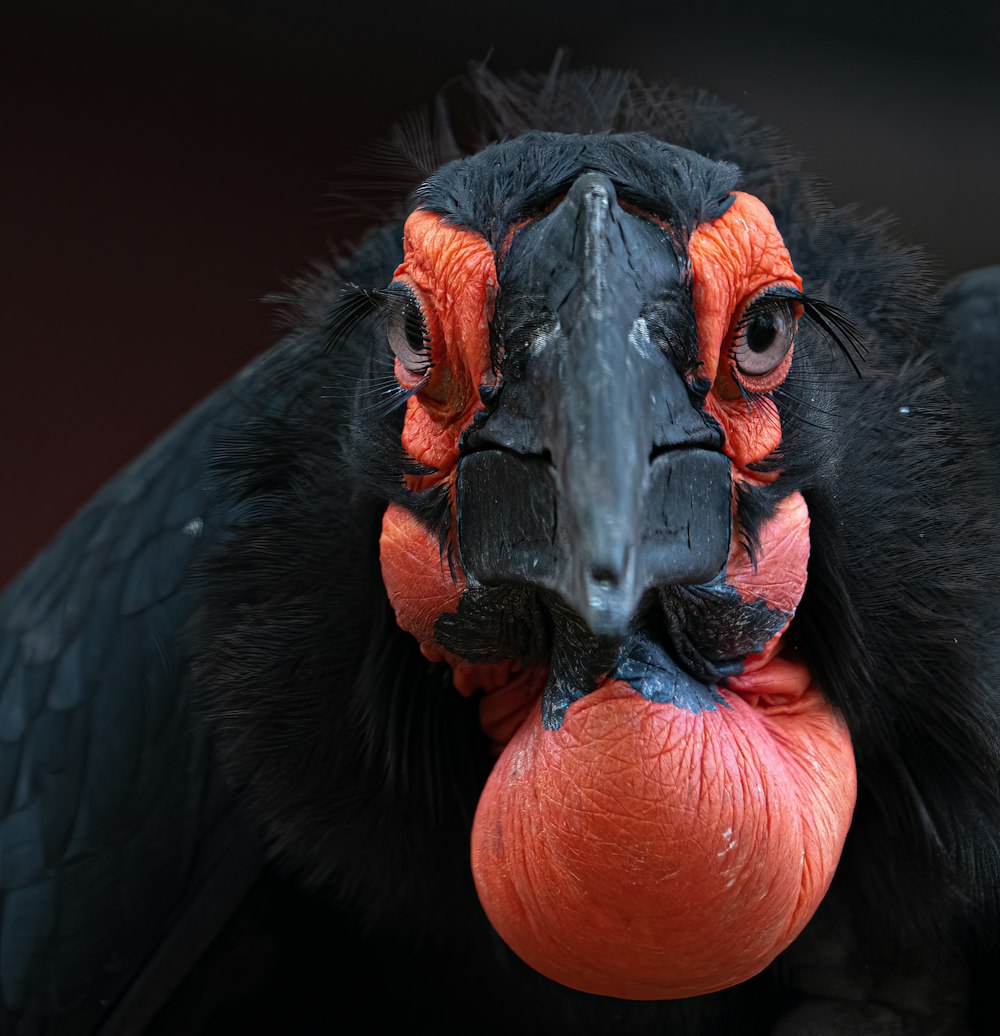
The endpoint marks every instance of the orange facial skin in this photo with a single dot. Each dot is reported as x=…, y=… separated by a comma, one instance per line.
x=778, y=578
x=641, y=850
x=454, y=275
x=733, y=260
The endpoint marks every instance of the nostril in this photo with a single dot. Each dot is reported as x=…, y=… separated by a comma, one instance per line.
x=605, y=573
x=611, y=567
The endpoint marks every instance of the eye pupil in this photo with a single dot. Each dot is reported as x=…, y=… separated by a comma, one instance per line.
x=761, y=332
x=413, y=326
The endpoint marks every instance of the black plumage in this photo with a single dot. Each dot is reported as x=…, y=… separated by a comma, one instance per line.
x=206, y=661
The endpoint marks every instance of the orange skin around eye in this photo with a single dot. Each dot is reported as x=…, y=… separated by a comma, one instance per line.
x=733, y=259
x=454, y=271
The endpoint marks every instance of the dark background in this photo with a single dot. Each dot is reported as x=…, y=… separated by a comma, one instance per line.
x=164, y=166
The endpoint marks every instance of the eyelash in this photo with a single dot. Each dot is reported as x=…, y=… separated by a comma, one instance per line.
x=356, y=304
x=832, y=322
x=406, y=330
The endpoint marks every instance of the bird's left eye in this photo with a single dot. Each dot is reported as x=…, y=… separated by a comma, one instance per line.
x=406, y=330
x=764, y=334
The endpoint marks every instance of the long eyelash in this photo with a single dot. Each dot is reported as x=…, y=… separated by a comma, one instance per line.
x=799, y=404
x=840, y=329
x=403, y=307
x=755, y=402
x=836, y=325
x=393, y=396
x=770, y=300
x=380, y=395
x=355, y=304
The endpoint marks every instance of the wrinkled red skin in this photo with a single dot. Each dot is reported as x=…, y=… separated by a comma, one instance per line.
x=421, y=588
x=641, y=850
x=633, y=852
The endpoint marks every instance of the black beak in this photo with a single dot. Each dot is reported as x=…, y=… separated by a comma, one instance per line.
x=595, y=475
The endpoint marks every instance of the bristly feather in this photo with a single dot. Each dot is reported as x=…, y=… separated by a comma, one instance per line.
x=365, y=749
x=376, y=183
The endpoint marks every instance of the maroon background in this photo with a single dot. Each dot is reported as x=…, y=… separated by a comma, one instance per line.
x=162, y=169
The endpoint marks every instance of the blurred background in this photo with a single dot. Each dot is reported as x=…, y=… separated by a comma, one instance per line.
x=165, y=165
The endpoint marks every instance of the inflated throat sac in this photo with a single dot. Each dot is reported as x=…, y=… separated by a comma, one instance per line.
x=655, y=835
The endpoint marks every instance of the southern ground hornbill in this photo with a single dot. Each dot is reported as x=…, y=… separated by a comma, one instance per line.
x=620, y=509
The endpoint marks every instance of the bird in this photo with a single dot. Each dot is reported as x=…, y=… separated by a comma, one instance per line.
x=583, y=619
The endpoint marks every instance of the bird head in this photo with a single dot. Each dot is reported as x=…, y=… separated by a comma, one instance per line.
x=596, y=535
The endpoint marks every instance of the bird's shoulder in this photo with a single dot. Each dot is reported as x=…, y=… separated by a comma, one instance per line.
x=111, y=811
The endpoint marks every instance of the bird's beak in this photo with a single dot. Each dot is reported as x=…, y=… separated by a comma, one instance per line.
x=595, y=475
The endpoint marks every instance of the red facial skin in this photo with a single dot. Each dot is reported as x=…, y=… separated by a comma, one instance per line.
x=421, y=588
x=641, y=850
x=454, y=276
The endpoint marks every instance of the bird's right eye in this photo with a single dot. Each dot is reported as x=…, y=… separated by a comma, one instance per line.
x=406, y=330
x=764, y=334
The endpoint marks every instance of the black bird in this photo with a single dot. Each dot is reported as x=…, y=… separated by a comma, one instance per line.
x=620, y=509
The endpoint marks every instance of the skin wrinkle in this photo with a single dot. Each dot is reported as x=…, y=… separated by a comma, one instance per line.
x=745, y=807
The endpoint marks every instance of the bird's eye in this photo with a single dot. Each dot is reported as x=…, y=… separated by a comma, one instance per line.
x=764, y=334
x=406, y=330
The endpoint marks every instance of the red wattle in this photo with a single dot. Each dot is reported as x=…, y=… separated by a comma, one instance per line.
x=644, y=851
